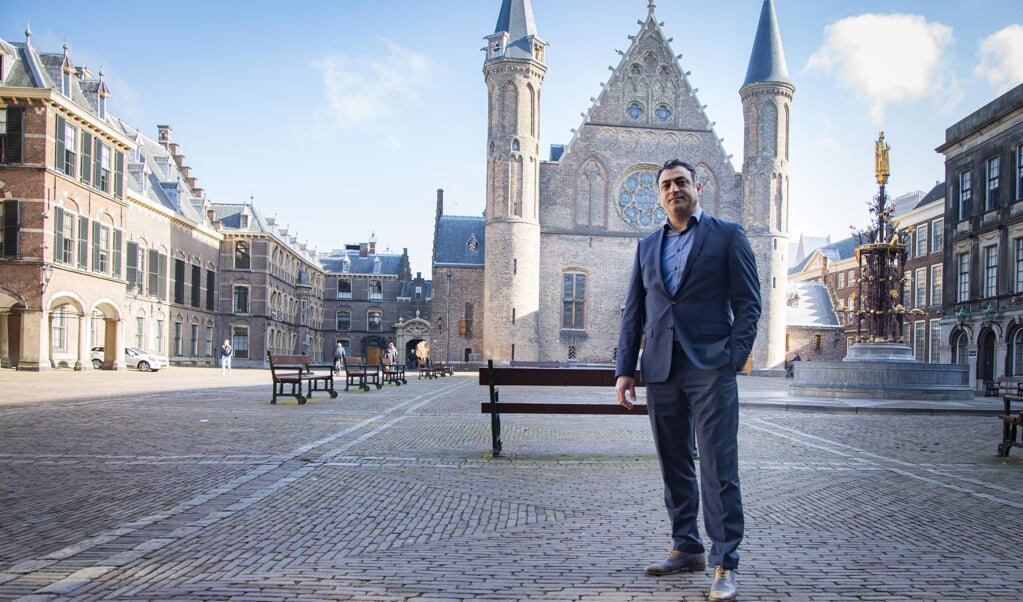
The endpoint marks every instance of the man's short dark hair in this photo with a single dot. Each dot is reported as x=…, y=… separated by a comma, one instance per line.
x=672, y=164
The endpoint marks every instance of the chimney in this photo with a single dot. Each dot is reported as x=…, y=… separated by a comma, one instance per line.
x=363, y=249
x=211, y=215
x=440, y=202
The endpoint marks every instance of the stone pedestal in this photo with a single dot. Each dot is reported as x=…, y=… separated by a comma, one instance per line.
x=882, y=371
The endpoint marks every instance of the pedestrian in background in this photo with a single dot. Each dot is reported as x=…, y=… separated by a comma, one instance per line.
x=226, y=353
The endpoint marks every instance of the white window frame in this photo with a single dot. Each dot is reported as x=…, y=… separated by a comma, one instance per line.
x=992, y=176
x=920, y=288
x=990, y=271
x=937, y=273
x=965, y=194
x=921, y=240
x=962, y=277
x=934, y=347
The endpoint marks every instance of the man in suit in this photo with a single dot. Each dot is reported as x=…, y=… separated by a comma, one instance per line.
x=694, y=295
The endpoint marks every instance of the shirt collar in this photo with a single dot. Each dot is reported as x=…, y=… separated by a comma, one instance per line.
x=694, y=219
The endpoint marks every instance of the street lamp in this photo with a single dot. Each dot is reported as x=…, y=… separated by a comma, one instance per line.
x=447, y=318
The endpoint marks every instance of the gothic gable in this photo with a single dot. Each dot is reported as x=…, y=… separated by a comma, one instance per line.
x=646, y=113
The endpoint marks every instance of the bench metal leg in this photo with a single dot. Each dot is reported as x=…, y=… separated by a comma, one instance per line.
x=495, y=426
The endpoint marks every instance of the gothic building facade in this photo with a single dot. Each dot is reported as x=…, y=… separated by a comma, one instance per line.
x=543, y=271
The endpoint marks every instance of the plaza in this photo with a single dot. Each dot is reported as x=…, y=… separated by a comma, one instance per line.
x=188, y=485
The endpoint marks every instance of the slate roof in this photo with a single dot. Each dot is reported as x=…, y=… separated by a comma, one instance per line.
x=516, y=17
x=809, y=305
x=154, y=176
x=383, y=264
x=456, y=235
x=767, y=61
x=842, y=249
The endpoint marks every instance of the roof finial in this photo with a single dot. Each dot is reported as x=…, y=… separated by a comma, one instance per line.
x=650, y=6
x=28, y=34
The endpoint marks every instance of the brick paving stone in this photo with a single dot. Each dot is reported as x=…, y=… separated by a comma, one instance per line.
x=190, y=486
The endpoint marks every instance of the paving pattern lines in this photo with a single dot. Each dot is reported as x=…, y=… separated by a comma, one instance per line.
x=47, y=576
x=863, y=524
x=411, y=532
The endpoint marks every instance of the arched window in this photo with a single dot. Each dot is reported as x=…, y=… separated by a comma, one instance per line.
x=1016, y=352
x=960, y=354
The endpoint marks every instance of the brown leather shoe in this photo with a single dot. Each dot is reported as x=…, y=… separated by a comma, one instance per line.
x=676, y=562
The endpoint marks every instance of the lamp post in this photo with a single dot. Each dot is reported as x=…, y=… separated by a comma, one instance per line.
x=447, y=318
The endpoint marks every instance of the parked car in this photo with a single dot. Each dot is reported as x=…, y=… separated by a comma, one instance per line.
x=134, y=357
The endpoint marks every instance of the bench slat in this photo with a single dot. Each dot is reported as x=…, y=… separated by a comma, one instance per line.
x=512, y=407
x=551, y=377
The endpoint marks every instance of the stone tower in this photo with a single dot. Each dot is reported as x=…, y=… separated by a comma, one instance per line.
x=766, y=95
x=514, y=69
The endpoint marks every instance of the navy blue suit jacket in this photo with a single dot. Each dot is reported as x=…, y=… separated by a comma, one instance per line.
x=713, y=315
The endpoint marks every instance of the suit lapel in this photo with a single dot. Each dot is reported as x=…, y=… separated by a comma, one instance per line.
x=657, y=252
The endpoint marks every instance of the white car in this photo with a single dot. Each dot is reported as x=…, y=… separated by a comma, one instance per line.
x=134, y=357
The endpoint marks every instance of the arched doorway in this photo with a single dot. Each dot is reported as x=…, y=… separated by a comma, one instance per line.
x=986, y=356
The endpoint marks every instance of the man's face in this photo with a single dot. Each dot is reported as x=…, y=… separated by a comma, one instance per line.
x=679, y=195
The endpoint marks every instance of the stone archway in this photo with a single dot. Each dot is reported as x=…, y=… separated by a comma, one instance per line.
x=106, y=331
x=12, y=308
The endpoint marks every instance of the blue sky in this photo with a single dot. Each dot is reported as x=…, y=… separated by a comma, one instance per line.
x=344, y=117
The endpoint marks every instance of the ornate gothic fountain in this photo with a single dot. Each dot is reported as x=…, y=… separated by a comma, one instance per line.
x=880, y=364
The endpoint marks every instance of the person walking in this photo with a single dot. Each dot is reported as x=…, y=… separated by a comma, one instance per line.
x=392, y=353
x=694, y=293
x=226, y=353
x=339, y=357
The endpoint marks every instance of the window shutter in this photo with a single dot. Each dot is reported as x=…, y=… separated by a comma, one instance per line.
x=15, y=135
x=119, y=175
x=153, y=286
x=86, y=170
x=210, y=284
x=96, y=262
x=116, y=268
x=179, y=281
x=58, y=234
x=196, y=284
x=12, y=228
x=163, y=276
x=97, y=163
x=131, y=265
x=83, y=242
x=58, y=161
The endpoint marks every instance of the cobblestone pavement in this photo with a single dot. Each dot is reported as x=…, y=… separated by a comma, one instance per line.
x=187, y=485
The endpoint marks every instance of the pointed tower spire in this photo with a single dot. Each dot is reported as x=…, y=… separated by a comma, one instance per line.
x=767, y=61
x=515, y=34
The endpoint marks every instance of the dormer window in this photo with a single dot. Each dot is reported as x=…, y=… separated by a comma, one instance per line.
x=101, y=106
x=472, y=245
x=244, y=223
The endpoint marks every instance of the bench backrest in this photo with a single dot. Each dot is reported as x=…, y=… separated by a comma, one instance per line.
x=288, y=361
x=551, y=377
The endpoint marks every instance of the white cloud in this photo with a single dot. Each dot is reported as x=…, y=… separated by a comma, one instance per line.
x=1001, y=58
x=361, y=89
x=887, y=59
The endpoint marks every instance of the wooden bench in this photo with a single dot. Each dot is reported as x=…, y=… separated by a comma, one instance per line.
x=1010, y=426
x=395, y=374
x=356, y=369
x=1004, y=385
x=435, y=370
x=293, y=371
x=547, y=377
